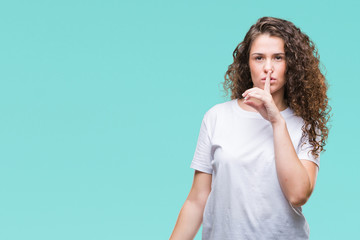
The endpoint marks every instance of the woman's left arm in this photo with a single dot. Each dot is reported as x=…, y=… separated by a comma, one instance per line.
x=297, y=177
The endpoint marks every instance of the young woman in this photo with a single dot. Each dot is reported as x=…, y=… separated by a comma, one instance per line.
x=257, y=156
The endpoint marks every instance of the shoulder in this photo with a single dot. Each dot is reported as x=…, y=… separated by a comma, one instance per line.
x=219, y=109
x=293, y=120
x=217, y=114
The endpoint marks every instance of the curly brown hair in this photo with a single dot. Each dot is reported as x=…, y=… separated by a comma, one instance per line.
x=306, y=86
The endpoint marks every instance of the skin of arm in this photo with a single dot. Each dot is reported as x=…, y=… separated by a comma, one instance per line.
x=188, y=222
x=191, y=214
x=296, y=177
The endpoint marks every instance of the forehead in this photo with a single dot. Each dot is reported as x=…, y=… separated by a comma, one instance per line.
x=265, y=43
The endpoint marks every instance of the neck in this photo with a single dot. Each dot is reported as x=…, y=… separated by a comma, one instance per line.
x=279, y=100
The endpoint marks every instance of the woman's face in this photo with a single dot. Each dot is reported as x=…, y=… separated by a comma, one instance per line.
x=267, y=53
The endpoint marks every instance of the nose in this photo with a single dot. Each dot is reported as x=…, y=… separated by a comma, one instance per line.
x=268, y=66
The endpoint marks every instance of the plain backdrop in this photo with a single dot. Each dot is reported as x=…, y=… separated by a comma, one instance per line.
x=101, y=104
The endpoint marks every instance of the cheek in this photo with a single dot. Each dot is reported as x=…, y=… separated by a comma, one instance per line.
x=282, y=70
x=254, y=70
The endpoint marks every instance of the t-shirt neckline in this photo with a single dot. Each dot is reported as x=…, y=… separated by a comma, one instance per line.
x=284, y=113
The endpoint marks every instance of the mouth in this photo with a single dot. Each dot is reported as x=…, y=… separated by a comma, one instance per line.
x=272, y=80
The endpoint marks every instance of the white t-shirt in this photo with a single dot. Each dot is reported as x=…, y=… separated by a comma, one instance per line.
x=246, y=202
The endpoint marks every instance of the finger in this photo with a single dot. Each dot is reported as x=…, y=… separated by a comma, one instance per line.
x=256, y=96
x=267, y=82
x=252, y=101
x=249, y=91
x=246, y=93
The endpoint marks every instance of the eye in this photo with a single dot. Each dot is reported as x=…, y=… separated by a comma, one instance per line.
x=278, y=58
x=258, y=58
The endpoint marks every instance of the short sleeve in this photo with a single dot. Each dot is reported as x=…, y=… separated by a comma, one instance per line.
x=202, y=156
x=304, y=152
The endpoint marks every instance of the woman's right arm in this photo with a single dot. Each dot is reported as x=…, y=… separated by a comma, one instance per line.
x=191, y=213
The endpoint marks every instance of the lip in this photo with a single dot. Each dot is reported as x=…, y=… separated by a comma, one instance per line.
x=270, y=78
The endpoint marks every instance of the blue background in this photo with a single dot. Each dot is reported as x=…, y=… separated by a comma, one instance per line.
x=101, y=104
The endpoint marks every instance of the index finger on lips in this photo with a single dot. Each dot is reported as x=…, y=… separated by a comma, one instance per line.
x=267, y=82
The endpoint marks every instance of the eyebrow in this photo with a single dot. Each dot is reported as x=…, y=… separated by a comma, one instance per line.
x=273, y=54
